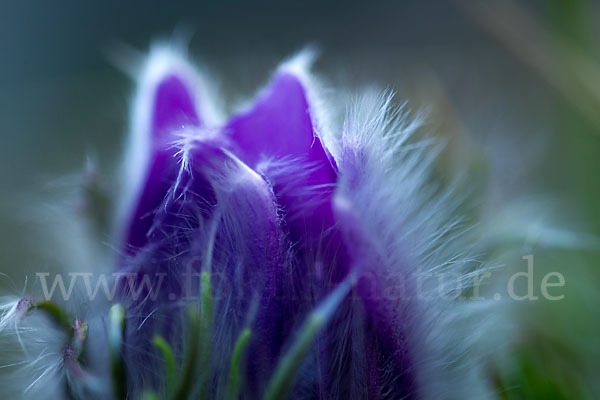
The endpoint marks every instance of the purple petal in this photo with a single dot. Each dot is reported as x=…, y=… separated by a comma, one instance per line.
x=277, y=138
x=166, y=103
x=249, y=259
x=245, y=254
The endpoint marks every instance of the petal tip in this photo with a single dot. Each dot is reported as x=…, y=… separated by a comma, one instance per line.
x=300, y=63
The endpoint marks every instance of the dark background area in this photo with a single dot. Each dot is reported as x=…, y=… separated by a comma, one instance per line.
x=61, y=95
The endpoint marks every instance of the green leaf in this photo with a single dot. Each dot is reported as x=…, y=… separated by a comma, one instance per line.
x=57, y=314
x=285, y=374
x=234, y=370
x=150, y=396
x=184, y=386
x=116, y=334
x=170, y=366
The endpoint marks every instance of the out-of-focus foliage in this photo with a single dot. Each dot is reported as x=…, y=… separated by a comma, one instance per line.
x=557, y=350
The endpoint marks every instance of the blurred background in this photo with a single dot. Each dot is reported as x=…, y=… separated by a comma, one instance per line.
x=513, y=87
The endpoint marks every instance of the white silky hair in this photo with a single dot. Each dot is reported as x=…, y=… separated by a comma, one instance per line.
x=411, y=218
x=31, y=353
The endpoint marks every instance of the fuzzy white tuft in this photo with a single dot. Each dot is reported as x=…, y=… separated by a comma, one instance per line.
x=388, y=183
x=30, y=352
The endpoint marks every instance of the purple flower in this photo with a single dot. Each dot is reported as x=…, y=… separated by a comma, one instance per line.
x=280, y=212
